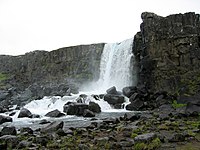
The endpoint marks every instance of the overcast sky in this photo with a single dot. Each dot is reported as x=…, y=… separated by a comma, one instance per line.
x=27, y=25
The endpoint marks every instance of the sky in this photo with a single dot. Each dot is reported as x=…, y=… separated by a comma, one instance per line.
x=27, y=25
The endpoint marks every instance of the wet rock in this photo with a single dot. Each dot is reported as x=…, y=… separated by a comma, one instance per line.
x=75, y=108
x=44, y=121
x=26, y=130
x=128, y=91
x=131, y=116
x=114, y=99
x=82, y=98
x=8, y=131
x=24, y=113
x=94, y=107
x=54, y=126
x=4, y=119
x=145, y=137
x=112, y=91
x=177, y=137
x=88, y=113
x=55, y=113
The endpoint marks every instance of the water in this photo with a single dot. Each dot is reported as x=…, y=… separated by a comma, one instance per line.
x=116, y=69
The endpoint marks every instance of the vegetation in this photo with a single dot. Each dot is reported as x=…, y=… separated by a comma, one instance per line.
x=177, y=105
x=3, y=76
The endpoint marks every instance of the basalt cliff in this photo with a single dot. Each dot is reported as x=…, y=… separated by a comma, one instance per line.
x=167, y=53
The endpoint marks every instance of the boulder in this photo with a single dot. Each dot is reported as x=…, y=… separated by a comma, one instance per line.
x=5, y=119
x=54, y=113
x=128, y=91
x=88, y=113
x=135, y=105
x=24, y=113
x=94, y=107
x=11, y=140
x=8, y=131
x=114, y=99
x=112, y=90
x=192, y=109
x=75, y=108
x=82, y=98
x=52, y=127
x=145, y=137
x=26, y=130
x=131, y=116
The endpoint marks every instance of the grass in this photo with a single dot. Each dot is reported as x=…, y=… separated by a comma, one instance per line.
x=177, y=105
x=3, y=76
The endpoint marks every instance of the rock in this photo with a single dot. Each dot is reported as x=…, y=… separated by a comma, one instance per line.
x=177, y=137
x=52, y=127
x=131, y=116
x=4, y=119
x=88, y=113
x=128, y=91
x=134, y=97
x=145, y=137
x=8, y=131
x=94, y=107
x=82, y=98
x=24, y=144
x=192, y=109
x=55, y=113
x=11, y=140
x=24, y=113
x=75, y=108
x=26, y=130
x=112, y=91
x=42, y=140
x=44, y=121
x=114, y=99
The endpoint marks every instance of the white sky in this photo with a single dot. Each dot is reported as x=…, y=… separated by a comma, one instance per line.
x=27, y=25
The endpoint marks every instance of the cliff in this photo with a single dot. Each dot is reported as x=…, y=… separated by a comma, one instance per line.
x=167, y=50
x=77, y=62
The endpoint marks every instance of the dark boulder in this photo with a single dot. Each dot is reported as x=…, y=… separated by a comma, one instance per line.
x=135, y=105
x=11, y=140
x=52, y=127
x=8, y=131
x=94, y=107
x=24, y=113
x=131, y=116
x=26, y=130
x=112, y=90
x=75, y=108
x=54, y=113
x=88, y=113
x=82, y=98
x=114, y=99
x=128, y=91
x=5, y=119
x=192, y=109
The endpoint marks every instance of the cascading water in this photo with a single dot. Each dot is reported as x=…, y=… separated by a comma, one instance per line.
x=116, y=68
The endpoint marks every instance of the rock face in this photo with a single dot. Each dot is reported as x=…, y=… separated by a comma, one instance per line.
x=41, y=73
x=167, y=50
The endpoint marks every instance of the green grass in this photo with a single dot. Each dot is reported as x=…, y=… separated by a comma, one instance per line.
x=177, y=105
x=3, y=76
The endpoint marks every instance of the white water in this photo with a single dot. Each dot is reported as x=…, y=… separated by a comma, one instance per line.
x=115, y=70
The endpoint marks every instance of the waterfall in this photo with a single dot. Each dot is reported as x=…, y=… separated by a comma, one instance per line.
x=116, y=67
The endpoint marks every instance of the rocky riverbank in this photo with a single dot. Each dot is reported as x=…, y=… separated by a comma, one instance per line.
x=147, y=130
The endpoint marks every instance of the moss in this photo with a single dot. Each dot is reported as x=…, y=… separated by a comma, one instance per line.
x=156, y=143
x=133, y=135
x=3, y=76
x=140, y=146
x=177, y=105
